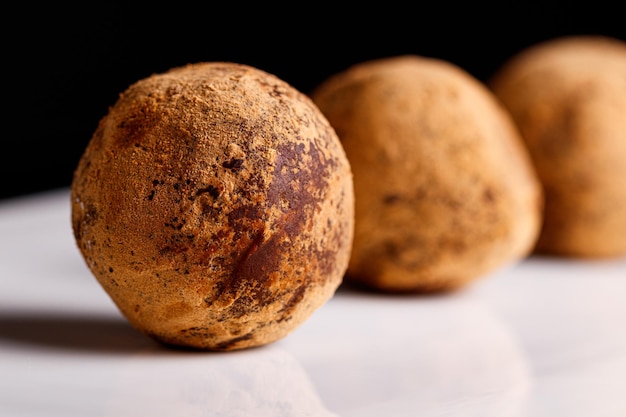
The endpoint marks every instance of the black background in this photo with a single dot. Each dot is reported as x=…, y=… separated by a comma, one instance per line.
x=63, y=68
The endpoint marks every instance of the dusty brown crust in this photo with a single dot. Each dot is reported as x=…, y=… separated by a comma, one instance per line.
x=214, y=204
x=568, y=97
x=444, y=189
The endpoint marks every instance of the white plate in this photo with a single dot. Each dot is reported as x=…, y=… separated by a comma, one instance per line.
x=544, y=337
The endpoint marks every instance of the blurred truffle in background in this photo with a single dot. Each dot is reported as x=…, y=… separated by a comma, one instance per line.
x=568, y=97
x=445, y=191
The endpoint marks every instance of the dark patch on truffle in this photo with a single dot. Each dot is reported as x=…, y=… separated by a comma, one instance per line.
x=290, y=168
x=254, y=268
x=234, y=164
x=287, y=310
x=489, y=196
x=391, y=198
x=264, y=254
x=133, y=128
x=241, y=218
x=229, y=344
x=211, y=190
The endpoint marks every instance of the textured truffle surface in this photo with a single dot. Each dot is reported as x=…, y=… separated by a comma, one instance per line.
x=214, y=204
x=445, y=191
x=568, y=97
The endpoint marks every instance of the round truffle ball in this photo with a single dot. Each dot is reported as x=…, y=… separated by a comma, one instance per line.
x=445, y=190
x=214, y=204
x=568, y=97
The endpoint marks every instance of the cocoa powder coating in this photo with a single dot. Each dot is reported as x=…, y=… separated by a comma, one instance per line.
x=214, y=204
x=445, y=190
x=568, y=97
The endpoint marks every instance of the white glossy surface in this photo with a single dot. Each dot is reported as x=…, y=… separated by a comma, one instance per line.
x=544, y=337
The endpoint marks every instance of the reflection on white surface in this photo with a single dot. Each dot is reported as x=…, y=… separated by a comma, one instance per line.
x=429, y=355
x=148, y=380
x=541, y=338
x=264, y=382
x=569, y=316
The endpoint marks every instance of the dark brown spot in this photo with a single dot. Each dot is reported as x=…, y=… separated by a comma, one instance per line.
x=489, y=196
x=286, y=311
x=247, y=283
x=243, y=217
x=132, y=130
x=211, y=190
x=234, y=164
x=311, y=178
x=391, y=198
x=229, y=344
